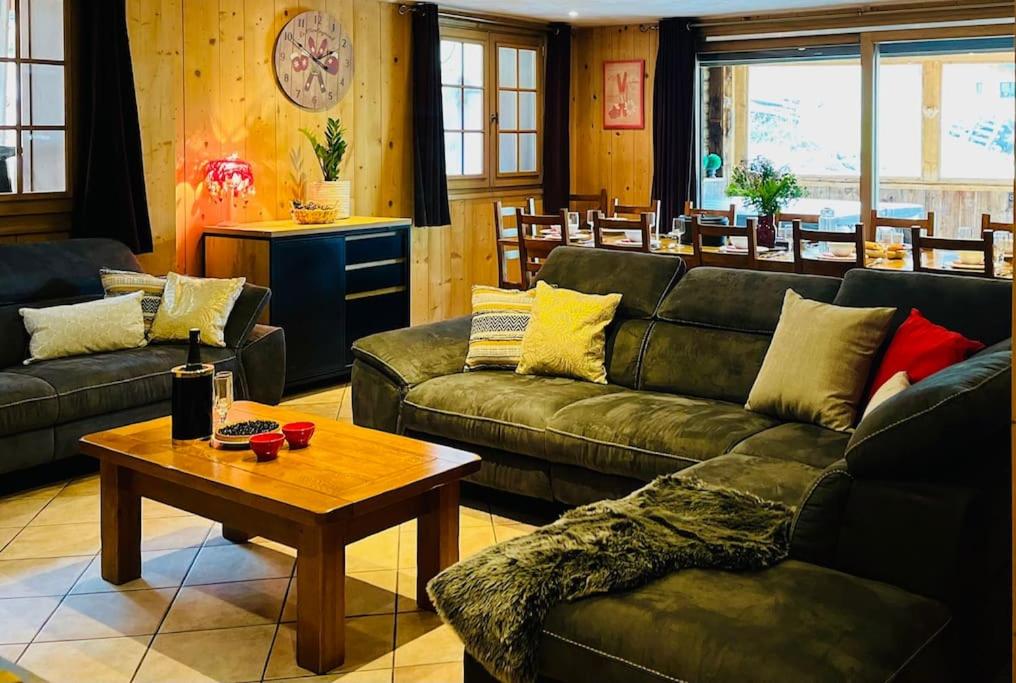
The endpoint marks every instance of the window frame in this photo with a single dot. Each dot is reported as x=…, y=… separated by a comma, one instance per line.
x=492, y=39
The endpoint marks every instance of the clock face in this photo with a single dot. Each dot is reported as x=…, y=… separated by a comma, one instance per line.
x=314, y=61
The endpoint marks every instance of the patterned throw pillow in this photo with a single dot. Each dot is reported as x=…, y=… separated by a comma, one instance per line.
x=500, y=318
x=120, y=282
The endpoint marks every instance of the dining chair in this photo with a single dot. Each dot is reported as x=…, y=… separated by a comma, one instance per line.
x=602, y=224
x=772, y=261
x=719, y=256
x=729, y=213
x=599, y=201
x=928, y=224
x=535, y=248
x=923, y=243
x=805, y=218
x=988, y=224
x=619, y=210
x=808, y=264
x=505, y=241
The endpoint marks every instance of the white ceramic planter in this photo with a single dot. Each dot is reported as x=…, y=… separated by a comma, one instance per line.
x=337, y=193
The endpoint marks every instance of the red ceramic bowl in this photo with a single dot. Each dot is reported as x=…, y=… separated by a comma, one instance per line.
x=266, y=446
x=298, y=433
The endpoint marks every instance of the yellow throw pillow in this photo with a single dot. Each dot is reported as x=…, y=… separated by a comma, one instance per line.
x=203, y=303
x=500, y=318
x=567, y=334
x=90, y=327
x=817, y=365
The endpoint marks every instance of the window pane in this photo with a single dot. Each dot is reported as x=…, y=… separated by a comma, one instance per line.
x=44, y=161
x=8, y=162
x=473, y=109
x=42, y=102
x=506, y=58
x=451, y=103
x=900, y=120
x=472, y=64
x=453, y=153
x=527, y=68
x=978, y=120
x=507, y=115
x=9, y=93
x=7, y=28
x=451, y=62
x=45, y=24
x=472, y=152
x=527, y=111
x=527, y=152
x=507, y=156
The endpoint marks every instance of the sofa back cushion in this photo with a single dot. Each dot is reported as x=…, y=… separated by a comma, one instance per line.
x=50, y=273
x=714, y=328
x=642, y=280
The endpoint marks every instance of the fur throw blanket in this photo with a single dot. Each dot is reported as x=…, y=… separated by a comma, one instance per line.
x=497, y=600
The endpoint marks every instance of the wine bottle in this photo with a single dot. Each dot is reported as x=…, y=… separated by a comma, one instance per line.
x=192, y=394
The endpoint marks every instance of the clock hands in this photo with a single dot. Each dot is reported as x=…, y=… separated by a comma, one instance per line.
x=316, y=60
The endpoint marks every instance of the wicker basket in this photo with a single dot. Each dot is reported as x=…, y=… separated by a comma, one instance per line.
x=315, y=216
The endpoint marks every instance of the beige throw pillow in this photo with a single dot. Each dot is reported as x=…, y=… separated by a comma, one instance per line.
x=817, y=365
x=896, y=384
x=189, y=302
x=90, y=327
x=500, y=318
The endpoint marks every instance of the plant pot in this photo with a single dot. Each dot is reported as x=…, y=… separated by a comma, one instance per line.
x=337, y=193
x=765, y=233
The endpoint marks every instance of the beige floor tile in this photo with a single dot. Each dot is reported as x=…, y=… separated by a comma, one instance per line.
x=329, y=395
x=105, y=660
x=471, y=540
x=10, y=653
x=166, y=533
x=246, y=562
x=153, y=509
x=429, y=673
x=33, y=578
x=159, y=569
x=406, y=593
x=380, y=551
x=422, y=638
x=21, y=618
x=107, y=615
x=215, y=538
x=87, y=485
x=7, y=535
x=226, y=655
x=369, y=642
x=366, y=593
x=503, y=532
x=468, y=518
x=226, y=605
x=17, y=511
x=60, y=540
x=328, y=411
x=69, y=509
x=372, y=676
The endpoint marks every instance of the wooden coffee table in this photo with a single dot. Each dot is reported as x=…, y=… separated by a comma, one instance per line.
x=349, y=483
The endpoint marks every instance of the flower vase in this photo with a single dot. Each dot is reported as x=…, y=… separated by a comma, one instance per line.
x=765, y=233
x=337, y=193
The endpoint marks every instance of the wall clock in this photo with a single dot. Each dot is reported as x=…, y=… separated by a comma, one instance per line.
x=314, y=61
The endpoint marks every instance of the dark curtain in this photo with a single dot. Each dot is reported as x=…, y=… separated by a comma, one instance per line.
x=674, y=119
x=109, y=188
x=556, y=136
x=429, y=177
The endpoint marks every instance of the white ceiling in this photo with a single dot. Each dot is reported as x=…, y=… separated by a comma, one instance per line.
x=632, y=11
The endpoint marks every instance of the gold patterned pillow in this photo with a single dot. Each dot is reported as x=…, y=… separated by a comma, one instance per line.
x=120, y=282
x=90, y=327
x=500, y=318
x=194, y=302
x=567, y=334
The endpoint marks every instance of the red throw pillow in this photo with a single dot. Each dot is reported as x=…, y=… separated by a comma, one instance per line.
x=922, y=348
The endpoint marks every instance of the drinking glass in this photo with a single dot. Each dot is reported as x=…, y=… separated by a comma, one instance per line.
x=1002, y=246
x=590, y=215
x=884, y=236
x=965, y=233
x=679, y=230
x=222, y=396
x=573, y=222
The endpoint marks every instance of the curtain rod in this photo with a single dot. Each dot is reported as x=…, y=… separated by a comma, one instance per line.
x=444, y=14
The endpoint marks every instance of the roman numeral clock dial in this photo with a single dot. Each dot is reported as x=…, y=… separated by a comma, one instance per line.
x=314, y=61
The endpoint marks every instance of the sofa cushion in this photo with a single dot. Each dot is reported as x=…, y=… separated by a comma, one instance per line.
x=798, y=442
x=770, y=478
x=26, y=403
x=106, y=382
x=641, y=434
x=792, y=622
x=497, y=409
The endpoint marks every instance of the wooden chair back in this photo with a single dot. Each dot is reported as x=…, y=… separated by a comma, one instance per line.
x=505, y=242
x=603, y=224
x=729, y=213
x=804, y=218
x=928, y=224
x=534, y=248
x=773, y=262
x=988, y=224
x=713, y=256
x=633, y=211
x=814, y=266
x=597, y=201
x=923, y=243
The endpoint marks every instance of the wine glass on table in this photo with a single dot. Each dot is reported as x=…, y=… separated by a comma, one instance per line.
x=679, y=230
x=222, y=397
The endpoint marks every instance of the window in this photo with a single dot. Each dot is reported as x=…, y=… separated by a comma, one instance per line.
x=491, y=87
x=33, y=125
x=977, y=119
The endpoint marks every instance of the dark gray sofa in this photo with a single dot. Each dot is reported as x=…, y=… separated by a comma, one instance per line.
x=900, y=560
x=47, y=406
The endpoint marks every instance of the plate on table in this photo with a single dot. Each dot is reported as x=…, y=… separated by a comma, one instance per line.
x=734, y=250
x=624, y=241
x=238, y=434
x=829, y=256
x=956, y=265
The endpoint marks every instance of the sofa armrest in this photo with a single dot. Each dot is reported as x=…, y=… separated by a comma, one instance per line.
x=263, y=364
x=244, y=316
x=415, y=354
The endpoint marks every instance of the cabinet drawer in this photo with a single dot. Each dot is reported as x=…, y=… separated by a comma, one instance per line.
x=375, y=275
x=377, y=246
x=389, y=311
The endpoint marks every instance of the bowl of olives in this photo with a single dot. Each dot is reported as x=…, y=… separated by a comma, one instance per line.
x=239, y=433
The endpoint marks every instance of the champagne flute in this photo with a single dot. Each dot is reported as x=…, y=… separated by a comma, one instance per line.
x=679, y=229
x=222, y=395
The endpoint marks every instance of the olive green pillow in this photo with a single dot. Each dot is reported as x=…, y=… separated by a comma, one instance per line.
x=817, y=365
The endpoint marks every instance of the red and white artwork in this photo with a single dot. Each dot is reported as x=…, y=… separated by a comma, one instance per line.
x=623, y=94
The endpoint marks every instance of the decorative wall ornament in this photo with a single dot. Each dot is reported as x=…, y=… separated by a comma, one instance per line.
x=624, y=94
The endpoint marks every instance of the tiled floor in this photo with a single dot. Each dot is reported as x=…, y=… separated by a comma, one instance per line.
x=206, y=609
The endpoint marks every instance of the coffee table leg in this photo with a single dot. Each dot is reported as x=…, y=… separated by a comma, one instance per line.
x=120, y=515
x=234, y=535
x=320, y=599
x=437, y=537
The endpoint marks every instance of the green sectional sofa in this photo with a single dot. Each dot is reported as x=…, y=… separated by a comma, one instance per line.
x=900, y=555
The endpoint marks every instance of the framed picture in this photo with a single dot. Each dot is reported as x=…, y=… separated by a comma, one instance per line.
x=624, y=94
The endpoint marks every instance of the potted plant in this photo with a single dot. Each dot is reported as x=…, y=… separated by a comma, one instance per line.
x=768, y=190
x=331, y=190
